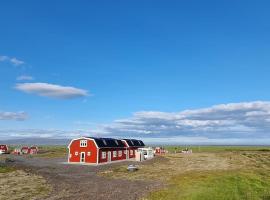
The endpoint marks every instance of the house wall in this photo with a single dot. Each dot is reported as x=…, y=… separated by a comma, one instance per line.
x=118, y=154
x=132, y=152
x=75, y=150
x=4, y=148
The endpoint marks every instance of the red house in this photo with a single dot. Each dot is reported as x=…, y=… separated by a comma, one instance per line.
x=33, y=150
x=98, y=150
x=25, y=150
x=29, y=150
x=159, y=150
x=132, y=145
x=3, y=148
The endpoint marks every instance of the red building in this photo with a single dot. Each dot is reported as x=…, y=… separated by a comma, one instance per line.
x=132, y=145
x=3, y=148
x=159, y=150
x=33, y=150
x=25, y=150
x=100, y=150
x=29, y=150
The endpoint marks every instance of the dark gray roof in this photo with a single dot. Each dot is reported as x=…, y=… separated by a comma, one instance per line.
x=134, y=143
x=108, y=142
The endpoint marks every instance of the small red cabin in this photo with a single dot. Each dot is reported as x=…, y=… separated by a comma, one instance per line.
x=3, y=148
x=159, y=150
x=25, y=150
x=33, y=150
x=99, y=150
x=29, y=150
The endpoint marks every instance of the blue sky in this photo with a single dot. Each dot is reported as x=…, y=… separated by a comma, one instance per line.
x=119, y=58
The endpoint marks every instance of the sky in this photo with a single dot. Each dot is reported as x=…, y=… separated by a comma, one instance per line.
x=163, y=71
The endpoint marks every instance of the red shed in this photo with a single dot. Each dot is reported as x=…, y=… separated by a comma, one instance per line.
x=159, y=150
x=25, y=150
x=33, y=150
x=96, y=150
x=3, y=148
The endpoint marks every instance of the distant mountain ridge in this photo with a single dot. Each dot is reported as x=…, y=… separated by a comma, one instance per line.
x=36, y=141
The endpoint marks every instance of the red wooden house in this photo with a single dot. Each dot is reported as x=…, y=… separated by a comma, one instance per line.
x=29, y=150
x=33, y=150
x=25, y=150
x=3, y=148
x=97, y=150
x=132, y=145
x=160, y=150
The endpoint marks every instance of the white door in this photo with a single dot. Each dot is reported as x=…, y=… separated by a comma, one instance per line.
x=109, y=156
x=82, y=160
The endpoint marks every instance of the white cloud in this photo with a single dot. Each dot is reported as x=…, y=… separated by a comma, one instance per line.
x=235, y=120
x=51, y=90
x=16, y=61
x=12, y=60
x=18, y=116
x=24, y=78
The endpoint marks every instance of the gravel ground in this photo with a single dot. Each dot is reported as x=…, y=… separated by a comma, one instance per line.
x=82, y=182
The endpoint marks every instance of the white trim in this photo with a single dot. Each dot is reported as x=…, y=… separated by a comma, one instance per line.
x=97, y=155
x=125, y=143
x=81, y=157
x=84, y=138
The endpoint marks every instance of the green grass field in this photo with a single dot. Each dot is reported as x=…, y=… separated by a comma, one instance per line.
x=4, y=169
x=209, y=173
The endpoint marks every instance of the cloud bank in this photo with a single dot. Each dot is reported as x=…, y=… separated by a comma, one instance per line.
x=17, y=116
x=234, y=120
x=234, y=124
x=11, y=60
x=51, y=90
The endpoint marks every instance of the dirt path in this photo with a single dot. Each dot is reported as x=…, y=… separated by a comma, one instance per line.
x=82, y=182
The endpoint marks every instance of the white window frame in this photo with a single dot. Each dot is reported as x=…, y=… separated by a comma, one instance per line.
x=83, y=143
x=114, y=154
x=103, y=155
x=120, y=153
x=89, y=153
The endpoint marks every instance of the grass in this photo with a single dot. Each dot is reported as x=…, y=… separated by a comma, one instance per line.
x=5, y=169
x=21, y=185
x=51, y=151
x=203, y=148
x=215, y=185
x=214, y=172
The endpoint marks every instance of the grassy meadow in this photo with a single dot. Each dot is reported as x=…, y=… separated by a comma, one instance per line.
x=210, y=172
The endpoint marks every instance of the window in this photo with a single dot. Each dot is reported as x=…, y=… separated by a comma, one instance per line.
x=125, y=152
x=114, y=154
x=103, y=155
x=76, y=153
x=119, y=153
x=131, y=152
x=83, y=143
x=89, y=153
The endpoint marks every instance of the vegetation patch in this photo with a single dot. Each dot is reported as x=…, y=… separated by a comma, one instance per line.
x=215, y=185
x=51, y=152
x=21, y=185
x=5, y=169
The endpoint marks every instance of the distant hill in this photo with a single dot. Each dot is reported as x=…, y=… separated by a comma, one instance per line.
x=36, y=141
